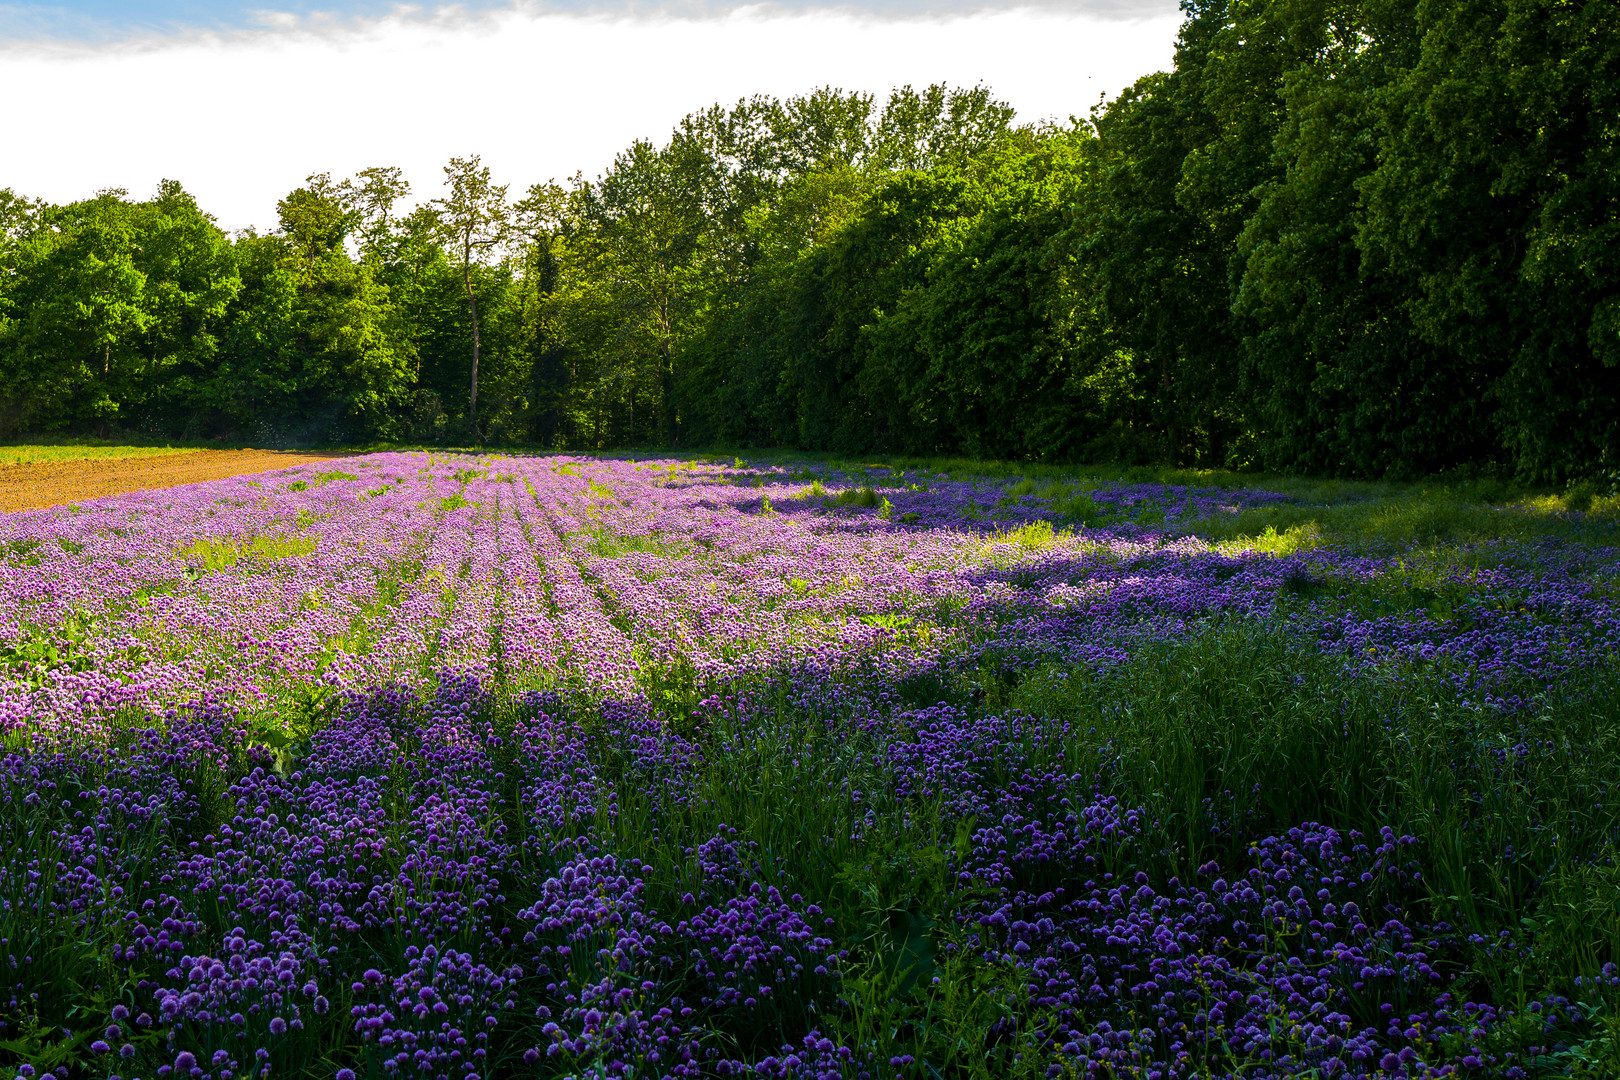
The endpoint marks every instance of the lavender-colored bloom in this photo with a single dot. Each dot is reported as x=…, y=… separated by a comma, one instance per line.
x=505, y=671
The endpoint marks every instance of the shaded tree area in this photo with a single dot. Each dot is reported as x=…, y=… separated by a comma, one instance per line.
x=1353, y=237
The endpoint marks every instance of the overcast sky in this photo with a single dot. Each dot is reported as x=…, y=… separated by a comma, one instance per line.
x=240, y=103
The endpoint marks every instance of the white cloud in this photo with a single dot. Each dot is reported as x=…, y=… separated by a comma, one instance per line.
x=242, y=118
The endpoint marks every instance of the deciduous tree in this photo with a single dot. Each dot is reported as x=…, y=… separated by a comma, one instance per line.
x=473, y=223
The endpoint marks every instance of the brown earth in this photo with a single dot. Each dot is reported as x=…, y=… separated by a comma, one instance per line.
x=27, y=487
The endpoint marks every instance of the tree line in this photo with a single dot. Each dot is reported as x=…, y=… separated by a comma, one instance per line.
x=1354, y=237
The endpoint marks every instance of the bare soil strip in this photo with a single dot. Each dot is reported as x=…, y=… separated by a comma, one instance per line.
x=29, y=487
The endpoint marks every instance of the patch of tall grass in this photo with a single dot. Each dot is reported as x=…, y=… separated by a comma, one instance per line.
x=1418, y=517
x=1243, y=730
x=210, y=553
x=52, y=454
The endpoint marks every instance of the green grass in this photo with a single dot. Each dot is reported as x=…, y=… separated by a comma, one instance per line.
x=605, y=544
x=1417, y=516
x=859, y=496
x=1372, y=515
x=213, y=554
x=50, y=454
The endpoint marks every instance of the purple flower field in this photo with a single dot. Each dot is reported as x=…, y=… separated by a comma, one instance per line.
x=435, y=766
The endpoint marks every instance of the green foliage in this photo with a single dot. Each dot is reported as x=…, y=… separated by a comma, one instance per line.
x=80, y=450
x=1493, y=202
x=115, y=307
x=316, y=346
x=1360, y=239
x=863, y=496
x=208, y=554
x=1344, y=382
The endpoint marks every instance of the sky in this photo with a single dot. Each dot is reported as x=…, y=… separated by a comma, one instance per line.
x=240, y=103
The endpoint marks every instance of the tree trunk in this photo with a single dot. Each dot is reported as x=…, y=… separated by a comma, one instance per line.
x=666, y=381
x=666, y=377
x=1171, y=432
x=472, y=304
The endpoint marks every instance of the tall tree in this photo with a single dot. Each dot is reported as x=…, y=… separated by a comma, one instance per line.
x=316, y=348
x=1495, y=201
x=1336, y=376
x=473, y=221
x=642, y=237
x=372, y=194
x=191, y=279
x=539, y=218
x=85, y=298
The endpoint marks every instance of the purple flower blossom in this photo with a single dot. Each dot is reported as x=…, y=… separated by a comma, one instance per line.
x=503, y=701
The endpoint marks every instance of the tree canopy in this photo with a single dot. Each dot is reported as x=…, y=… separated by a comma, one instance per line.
x=1355, y=237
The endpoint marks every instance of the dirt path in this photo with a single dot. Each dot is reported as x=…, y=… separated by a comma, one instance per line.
x=27, y=487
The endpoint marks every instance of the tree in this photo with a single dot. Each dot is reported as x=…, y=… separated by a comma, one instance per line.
x=1494, y=202
x=1336, y=376
x=921, y=130
x=81, y=299
x=473, y=222
x=539, y=218
x=191, y=279
x=19, y=217
x=983, y=356
x=641, y=239
x=315, y=346
x=372, y=194
x=116, y=307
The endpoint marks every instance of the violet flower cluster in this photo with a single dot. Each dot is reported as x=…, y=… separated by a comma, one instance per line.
x=597, y=575
x=414, y=770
